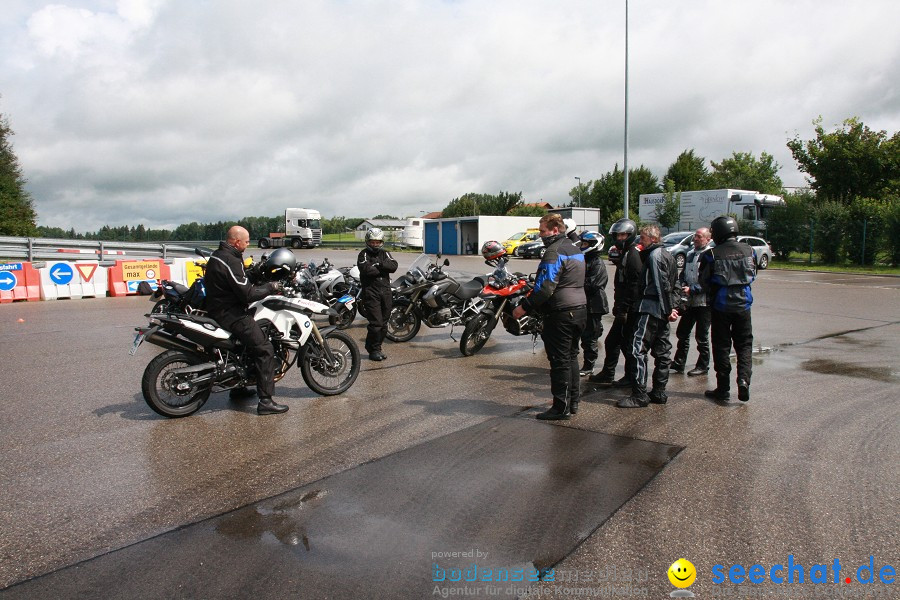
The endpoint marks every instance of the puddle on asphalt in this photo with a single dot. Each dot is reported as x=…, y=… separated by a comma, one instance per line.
x=831, y=367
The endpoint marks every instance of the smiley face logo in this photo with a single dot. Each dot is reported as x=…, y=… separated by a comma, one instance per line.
x=682, y=573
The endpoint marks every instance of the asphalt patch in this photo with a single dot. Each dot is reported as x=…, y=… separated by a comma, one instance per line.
x=491, y=507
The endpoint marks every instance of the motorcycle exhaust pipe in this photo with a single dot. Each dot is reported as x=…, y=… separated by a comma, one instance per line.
x=170, y=342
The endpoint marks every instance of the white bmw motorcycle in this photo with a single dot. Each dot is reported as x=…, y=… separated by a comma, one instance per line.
x=201, y=357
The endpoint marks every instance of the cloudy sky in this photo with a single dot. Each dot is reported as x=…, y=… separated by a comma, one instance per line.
x=169, y=111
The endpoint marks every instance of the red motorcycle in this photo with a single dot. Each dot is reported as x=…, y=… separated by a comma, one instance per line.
x=502, y=293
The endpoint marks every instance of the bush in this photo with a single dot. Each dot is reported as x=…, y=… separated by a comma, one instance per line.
x=865, y=215
x=892, y=230
x=787, y=227
x=829, y=225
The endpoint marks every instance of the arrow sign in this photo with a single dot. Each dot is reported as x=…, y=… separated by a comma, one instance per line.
x=61, y=274
x=86, y=270
x=133, y=285
x=7, y=281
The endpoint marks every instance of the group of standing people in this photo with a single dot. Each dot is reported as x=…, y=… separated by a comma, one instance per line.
x=649, y=293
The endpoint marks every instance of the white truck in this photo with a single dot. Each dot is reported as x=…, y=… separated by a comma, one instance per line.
x=302, y=229
x=699, y=208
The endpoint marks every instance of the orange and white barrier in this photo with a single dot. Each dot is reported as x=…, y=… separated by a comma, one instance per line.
x=73, y=280
x=126, y=275
x=19, y=281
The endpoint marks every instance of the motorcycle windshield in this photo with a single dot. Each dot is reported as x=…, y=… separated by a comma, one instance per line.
x=420, y=267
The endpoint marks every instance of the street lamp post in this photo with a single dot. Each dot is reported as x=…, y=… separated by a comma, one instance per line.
x=578, y=179
x=626, y=109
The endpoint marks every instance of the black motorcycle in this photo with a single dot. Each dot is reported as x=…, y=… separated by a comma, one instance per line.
x=425, y=294
x=171, y=296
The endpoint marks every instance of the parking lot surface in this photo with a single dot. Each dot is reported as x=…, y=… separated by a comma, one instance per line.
x=806, y=469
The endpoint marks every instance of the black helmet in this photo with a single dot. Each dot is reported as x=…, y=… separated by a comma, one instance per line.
x=723, y=228
x=623, y=226
x=279, y=265
x=492, y=250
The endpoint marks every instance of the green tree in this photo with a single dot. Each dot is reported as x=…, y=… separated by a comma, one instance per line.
x=482, y=204
x=608, y=192
x=829, y=222
x=526, y=211
x=850, y=162
x=688, y=172
x=743, y=171
x=17, y=215
x=668, y=214
x=787, y=228
x=892, y=229
x=865, y=225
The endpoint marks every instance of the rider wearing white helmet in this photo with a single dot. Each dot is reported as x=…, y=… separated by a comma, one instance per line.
x=375, y=266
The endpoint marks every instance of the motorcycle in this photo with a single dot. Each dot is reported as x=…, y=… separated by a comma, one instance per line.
x=201, y=357
x=503, y=292
x=171, y=296
x=425, y=294
x=327, y=285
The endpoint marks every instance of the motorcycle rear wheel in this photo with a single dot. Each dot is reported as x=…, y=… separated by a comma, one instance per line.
x=402, y=327
x=476, y=334
x=158, y=389
x=343, y=319
x=336, y=379
x=163, y=306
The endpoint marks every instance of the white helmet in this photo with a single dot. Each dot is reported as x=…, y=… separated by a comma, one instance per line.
x=570, y=230
x=374, y=237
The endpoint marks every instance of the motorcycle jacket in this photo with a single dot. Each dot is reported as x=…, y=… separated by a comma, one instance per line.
x=727, y=271
x=229, y=290
x=560, y=278
x=375, y=267
x=627, y=284
x=658, y=282
x=690, y=277
x=595, y=280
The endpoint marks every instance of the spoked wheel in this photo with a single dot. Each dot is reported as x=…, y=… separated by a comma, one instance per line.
x=476, y=334
x=325, y=377
x=402, y=327
x=160, y=385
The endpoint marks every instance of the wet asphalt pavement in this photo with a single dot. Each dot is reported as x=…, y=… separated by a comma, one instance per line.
x=807, y=468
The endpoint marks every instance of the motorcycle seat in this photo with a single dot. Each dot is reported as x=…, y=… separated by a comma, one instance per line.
x=470, y=289
x=181, y=289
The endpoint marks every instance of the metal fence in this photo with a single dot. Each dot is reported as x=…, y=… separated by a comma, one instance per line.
x=37, y=249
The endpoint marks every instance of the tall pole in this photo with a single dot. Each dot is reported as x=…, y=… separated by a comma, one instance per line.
x=626, y=109
x=578, y=199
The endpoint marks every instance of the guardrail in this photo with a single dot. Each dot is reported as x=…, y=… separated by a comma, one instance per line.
x=36, y=249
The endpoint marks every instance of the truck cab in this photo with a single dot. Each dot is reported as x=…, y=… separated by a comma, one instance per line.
x=512, y=243
x=302, y=229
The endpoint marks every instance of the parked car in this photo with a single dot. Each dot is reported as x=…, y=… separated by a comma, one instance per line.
x=512, y=244
x=531, y=250
x=761, y=247
x=676, y=237
x=679, y=248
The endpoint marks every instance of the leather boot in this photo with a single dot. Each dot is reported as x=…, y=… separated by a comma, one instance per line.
x=267, y=406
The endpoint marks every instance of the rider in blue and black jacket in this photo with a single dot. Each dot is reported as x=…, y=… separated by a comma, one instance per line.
x=727, y=272
x=559, y=296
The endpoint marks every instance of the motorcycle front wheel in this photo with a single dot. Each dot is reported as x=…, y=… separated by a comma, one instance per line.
x=476, y=334
x=158, y=385
x=330, y=379
x=402, y=327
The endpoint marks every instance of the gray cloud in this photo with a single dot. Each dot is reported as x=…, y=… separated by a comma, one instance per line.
x=160, y=112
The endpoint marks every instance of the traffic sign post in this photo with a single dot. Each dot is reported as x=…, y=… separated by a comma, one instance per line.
x=19, y=281
x=61, y=279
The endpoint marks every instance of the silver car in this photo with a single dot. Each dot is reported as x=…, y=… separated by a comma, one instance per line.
x=761, y=247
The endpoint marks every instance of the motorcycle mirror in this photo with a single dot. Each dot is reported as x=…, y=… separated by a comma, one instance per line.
x=532, y=277
x=446, y=262
x=264, y=257
x=202, y=252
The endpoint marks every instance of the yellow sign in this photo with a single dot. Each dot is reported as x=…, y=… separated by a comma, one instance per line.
x=192, y=271
x=140, y=270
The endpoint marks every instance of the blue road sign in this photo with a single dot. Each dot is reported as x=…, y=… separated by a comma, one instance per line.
x=7, y=281
x=133, y=285
x=61, y=274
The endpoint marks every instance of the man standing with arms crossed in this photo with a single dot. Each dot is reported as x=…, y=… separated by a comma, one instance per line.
x=697, y=311
x=559, y=296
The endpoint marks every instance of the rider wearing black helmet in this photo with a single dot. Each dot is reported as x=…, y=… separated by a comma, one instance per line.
x=626, y=293
x=229, y=292
x=726, y=272
x=375, y=266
